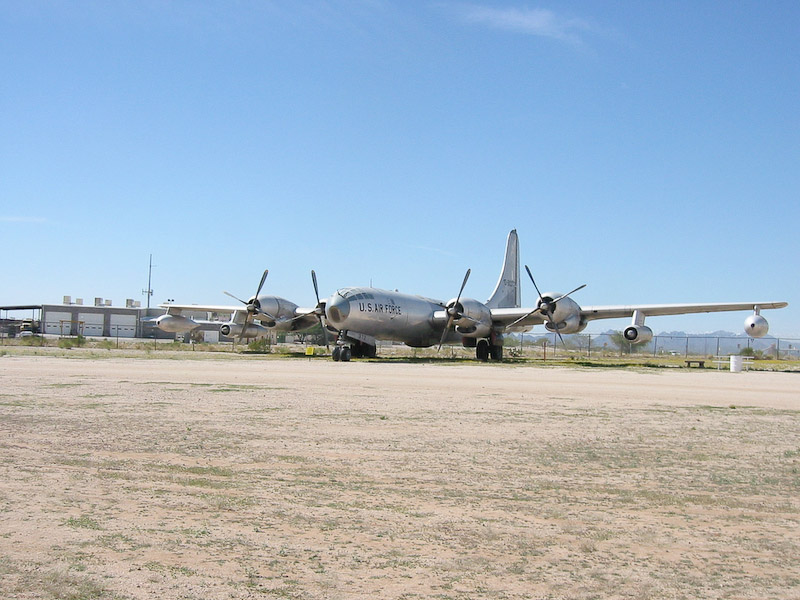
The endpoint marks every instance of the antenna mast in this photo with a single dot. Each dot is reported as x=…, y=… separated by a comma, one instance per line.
x=149, y=291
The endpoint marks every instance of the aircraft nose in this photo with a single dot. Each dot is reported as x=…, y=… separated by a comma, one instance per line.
x=337, y=309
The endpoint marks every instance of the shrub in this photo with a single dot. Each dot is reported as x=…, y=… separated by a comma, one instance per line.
x=33, y=340
x=260, y=346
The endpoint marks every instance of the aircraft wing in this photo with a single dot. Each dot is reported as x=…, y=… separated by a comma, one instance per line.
x=591, y=313
x=522, y=319
x=177, y=309
x=304, y=318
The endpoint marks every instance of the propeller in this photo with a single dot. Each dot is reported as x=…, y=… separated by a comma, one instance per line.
x=452, y=311
x=253, y=307
x=546, y=306
x=318, y=311
x=318, y=308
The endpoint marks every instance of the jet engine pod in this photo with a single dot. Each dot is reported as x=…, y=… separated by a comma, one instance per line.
x=175, y=323
x=756, y=326
x=235, y=330
x=638, y=333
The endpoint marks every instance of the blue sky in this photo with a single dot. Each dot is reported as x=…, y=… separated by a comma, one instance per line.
x=649, y=150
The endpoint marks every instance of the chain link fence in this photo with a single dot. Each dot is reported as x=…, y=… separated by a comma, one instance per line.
x=611, y=343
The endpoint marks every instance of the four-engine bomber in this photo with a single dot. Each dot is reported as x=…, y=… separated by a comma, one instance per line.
x=360, y=316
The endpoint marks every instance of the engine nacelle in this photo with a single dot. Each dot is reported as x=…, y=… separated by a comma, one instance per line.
x=175, y=323
x=235, y=330
x=566, y=314
x=756, y=326
x=475, y=320
x=572, y=324
x=638, y=333
x=273, y=305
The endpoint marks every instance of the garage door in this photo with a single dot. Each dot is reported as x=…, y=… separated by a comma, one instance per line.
x=53, y=322
x=92, y=323
x=123, y=326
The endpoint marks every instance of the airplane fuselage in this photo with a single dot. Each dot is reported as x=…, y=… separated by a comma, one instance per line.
x=386, y=315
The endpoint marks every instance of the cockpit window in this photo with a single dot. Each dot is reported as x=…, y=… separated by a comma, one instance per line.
x=351, y=296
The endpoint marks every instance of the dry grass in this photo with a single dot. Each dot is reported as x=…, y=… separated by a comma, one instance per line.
x=130, y=478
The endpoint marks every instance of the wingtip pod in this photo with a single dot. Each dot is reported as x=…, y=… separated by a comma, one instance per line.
x=756, y=326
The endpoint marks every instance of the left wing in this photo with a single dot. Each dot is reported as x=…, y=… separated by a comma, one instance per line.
x=174, y=321
x=566, y=316
x=590, y=313
x=177, y=309
x=236, y=321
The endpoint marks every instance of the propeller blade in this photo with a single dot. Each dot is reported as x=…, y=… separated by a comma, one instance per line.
x=303, y=316
x=453, y=310
x=261, y=284
x=325, y=333
x=246, y=323
x=318, y=308
x=523, y=317
x=235, y=298
x=316, y=288
x=266, y=314
x=562, y=296
x=533, y=281
x=444, y=333
x=463, y=285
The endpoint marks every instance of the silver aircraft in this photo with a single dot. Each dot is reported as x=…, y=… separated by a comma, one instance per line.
x=363, y=315
x=360, y=316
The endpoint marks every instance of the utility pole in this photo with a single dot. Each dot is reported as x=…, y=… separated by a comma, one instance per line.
x=149, y=291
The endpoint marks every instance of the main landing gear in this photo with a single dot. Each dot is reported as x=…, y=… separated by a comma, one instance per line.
x=485, y=351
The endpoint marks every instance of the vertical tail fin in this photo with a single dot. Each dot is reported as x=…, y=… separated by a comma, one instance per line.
x=507, y=292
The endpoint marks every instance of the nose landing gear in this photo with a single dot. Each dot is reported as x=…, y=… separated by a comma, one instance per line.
x=342, y=353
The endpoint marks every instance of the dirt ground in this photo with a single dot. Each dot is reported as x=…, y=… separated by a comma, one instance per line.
x=293, y=478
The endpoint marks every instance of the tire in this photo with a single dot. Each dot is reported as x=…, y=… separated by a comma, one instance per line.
x=337, y=353
x=482, y=350
x=346, y=354
x=496, y=352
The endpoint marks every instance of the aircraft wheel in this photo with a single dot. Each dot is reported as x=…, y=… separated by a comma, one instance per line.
x=337, y=353
x=496, y=352
x=482, y=350
x=346, y=353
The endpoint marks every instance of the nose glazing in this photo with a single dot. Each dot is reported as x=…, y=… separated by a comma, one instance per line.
x=337, y=310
